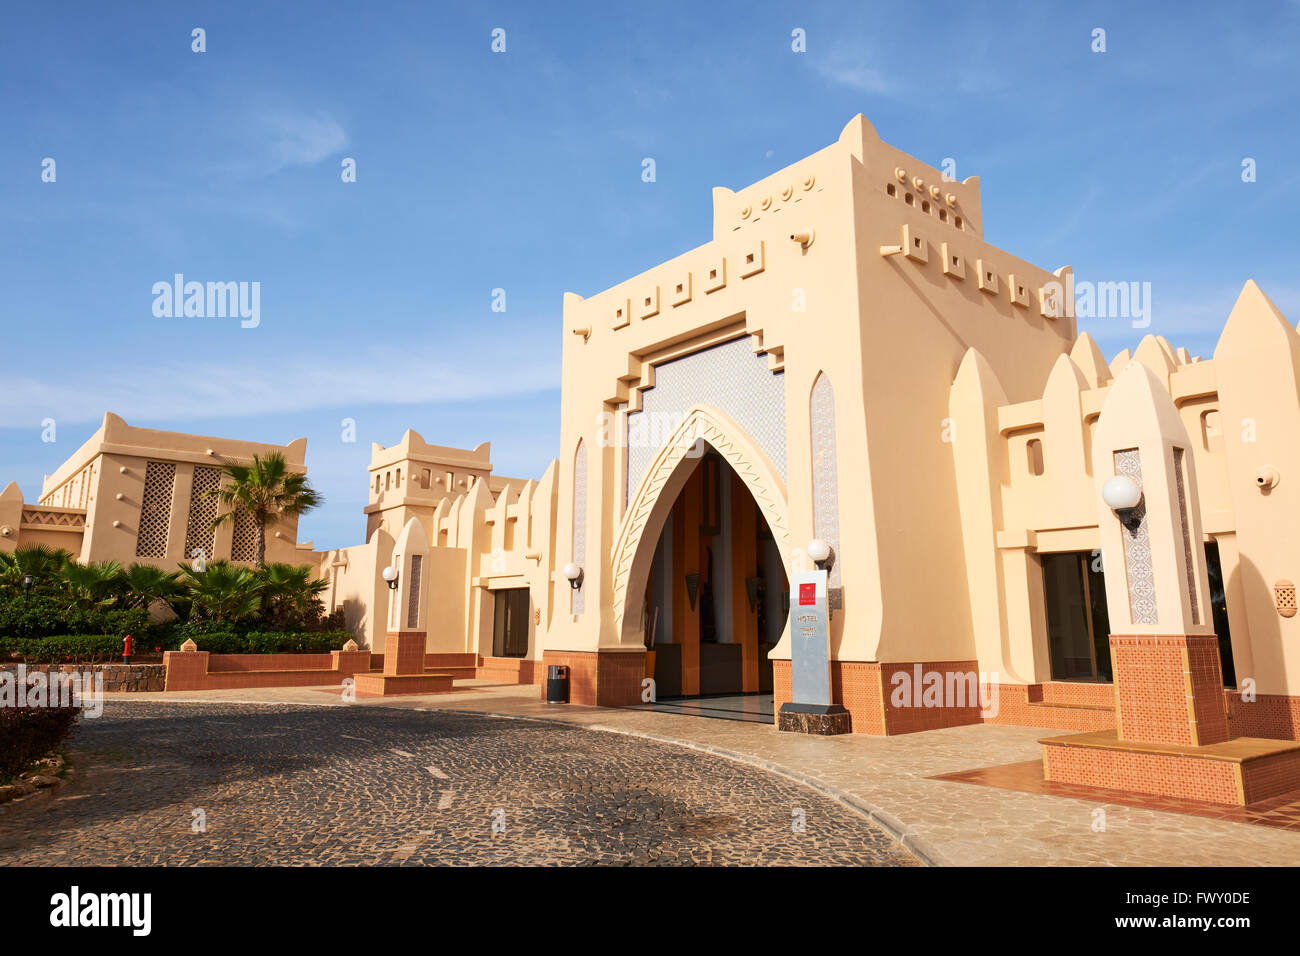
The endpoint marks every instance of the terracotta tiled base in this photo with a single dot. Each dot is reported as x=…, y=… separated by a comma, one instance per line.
x=1282, y=812
x=604, y=678
x=198, y=670
x=404, y=653
x=1236, y=772
x=1169, y=689
x=882, y=699
x=394, y=685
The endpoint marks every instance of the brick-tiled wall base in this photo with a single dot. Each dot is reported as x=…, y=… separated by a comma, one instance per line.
x=1190, y=776
x=197, y=670
x=511, y=670
x=1074, y=693
x=885, y=699
x=1169, y=689
x=396, y=685
x=606, y=678
x=1022, y=705
x=1274, y=716
x=1215, y=781
x=404, y=652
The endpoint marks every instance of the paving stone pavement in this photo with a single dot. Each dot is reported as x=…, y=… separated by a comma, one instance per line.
x=293, y=785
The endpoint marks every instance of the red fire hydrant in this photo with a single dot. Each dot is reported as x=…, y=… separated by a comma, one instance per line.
x=126, y=649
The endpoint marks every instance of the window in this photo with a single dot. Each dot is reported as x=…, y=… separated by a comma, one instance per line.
x=1219, y=607
x=510, y=622
x=1034, y=456
x=1078, y=626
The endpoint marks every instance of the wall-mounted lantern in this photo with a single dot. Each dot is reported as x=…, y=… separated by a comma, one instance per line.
x=390, y=575
x=574, y=575
x=821, y=554
x=1122, y=495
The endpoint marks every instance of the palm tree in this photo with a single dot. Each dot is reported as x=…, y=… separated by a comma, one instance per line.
x=96, y=584
x=225, y=593
x=42, y=563
x=290, y=594
x=267, y=491
x=146, y=585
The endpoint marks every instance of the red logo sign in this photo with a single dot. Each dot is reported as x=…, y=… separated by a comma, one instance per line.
x=808, y=594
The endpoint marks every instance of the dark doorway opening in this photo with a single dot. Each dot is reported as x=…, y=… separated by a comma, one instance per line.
x=714, y=604
x=510, y=622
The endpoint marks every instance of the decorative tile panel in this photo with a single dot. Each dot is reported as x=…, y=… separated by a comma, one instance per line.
x=731, y=378
x=1187, y=535
x=1137, y=547
x=580, y=522
x=826, y=502
x=413, y=597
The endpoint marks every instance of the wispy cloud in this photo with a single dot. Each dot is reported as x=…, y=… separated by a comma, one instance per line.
x=301, y=140
x=254, y=386
x=855, y=69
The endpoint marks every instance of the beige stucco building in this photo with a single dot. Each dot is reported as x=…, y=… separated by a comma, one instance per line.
x=845, y=359
x=139, y=495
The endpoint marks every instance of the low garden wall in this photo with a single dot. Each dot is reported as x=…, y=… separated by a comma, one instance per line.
x=199, y=670
x=117, y=677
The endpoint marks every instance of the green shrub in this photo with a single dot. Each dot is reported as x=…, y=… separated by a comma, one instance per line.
x=29, y=733
x=41, y=615
x=271, y=642
x=61, y=648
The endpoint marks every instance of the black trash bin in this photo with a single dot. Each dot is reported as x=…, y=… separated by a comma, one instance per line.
x=557, y=684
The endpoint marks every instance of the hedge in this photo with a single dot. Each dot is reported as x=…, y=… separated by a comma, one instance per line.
x=29, y=733
x=43, y=615
x=272, y=642
x=89, y=648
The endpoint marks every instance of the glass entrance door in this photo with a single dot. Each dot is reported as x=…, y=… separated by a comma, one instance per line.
x=1078, y=628
x=510, y=622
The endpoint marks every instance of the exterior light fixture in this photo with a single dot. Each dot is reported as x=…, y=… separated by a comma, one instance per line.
x=574, y=575
x=28, y=581
x=820, y=552
x=390, y=575
x=1122, y=495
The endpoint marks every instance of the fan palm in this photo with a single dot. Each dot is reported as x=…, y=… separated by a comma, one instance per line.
x=92, y=585
x=225, y=593
x=267, y=491
x=146, y=585
x=42, y=563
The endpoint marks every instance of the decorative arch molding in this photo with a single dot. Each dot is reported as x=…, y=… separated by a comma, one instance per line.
x=650, y=505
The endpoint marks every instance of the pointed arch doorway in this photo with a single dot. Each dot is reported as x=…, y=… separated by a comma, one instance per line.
x=716, y=598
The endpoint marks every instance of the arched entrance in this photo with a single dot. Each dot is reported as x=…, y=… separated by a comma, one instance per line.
x=700, y=572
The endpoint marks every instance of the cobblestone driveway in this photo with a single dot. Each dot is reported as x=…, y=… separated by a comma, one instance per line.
x=309, y=785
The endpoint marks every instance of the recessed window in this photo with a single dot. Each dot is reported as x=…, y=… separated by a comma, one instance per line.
x=713, y=273
x=1211, y=429
x=749, y=259
x=925, y=206
x=680, y=286
x=891, y=190
x=909, y=199
x=957, y=222
x=1034, y=456
x=943, y=215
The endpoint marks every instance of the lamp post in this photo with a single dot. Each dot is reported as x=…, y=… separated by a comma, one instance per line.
x=28, y=581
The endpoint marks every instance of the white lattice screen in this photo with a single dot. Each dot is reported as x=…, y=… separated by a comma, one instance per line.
x=155, y=510
x=203, y=511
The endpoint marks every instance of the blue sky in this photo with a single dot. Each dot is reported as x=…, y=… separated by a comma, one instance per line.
x=522, y=171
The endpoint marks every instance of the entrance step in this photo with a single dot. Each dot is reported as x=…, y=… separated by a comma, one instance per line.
x=1237, y=772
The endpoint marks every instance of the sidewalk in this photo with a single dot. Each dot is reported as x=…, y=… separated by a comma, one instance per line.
x=942, y=822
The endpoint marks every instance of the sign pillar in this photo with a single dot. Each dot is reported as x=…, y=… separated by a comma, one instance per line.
x=810, y=710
